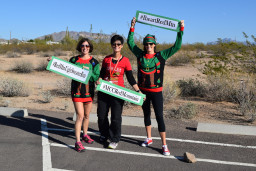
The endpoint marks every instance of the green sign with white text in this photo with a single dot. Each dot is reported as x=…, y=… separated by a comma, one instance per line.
x=69, y=70
x=158, y=21
x=121, y=92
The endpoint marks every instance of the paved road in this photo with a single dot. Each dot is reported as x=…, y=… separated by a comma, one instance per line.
x=45, y=141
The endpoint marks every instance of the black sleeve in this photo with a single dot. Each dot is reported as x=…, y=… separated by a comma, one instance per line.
x=130, y=77
x=102, y=72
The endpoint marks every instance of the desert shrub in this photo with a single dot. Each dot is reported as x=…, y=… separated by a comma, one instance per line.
x=221, y=88
x=46, y=54
x=23, y=67
x=170, y=91
x=42, y=66
x=186, y=111
x=180, y=59
x=63, y=87
x=12, y=88
x=246, y=99
x=191, y=87
x=59, y=52
x=47, y=96
x=11, y=54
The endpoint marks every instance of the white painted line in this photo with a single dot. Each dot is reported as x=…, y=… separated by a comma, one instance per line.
x=170, y=139
x=157, y=155
x=47, y=160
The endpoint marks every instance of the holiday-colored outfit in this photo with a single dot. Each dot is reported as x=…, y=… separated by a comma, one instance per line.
x=85, y=92
x=150, y=76
x=113, y=71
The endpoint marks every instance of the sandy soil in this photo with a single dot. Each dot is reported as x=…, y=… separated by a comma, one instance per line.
x=40, y=82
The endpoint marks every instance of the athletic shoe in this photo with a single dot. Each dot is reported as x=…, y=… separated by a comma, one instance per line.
x=103, y=139
x=147, y=142
x=112, y=145
x=87, y=139
x=79, y=147
x=166, y=151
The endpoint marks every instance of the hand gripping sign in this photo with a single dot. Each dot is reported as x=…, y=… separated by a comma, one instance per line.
x=69, y=70
x=158, y=21
x=121, y=92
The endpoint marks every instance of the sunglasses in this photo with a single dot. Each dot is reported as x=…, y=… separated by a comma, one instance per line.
x=116, y=44
x=147, y=44
x=85, y=46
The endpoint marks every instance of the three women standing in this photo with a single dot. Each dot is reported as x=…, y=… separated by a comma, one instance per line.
x=150, y=79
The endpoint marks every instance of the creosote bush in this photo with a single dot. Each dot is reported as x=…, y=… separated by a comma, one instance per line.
x=170, y=91
x=185, y=111
x=47, y=96
x=11, y=54
x=23, y=67
x=63, y=87
x=42, y=66
x=191, y=87
x=13, y=88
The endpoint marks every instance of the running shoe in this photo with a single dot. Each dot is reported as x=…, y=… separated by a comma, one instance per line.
x=166, y=151
x=79, y=147
x=112, y=145
x=87, y=139
x=147, y=142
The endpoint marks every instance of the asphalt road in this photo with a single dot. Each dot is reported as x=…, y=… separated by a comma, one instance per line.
x=45, y=141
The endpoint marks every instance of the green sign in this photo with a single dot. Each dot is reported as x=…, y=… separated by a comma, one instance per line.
x=69, y=70
x=158, y=21
x=121, y=92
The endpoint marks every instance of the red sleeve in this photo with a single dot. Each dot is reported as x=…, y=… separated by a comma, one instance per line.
x=181, y=28
x=131, y=29
x=128, y=66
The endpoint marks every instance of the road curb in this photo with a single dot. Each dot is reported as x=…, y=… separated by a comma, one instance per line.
x=226, y=129
x=13, y=112
x=126, y=120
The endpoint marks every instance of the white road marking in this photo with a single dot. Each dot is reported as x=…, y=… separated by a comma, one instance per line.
x=157, y=155
x=47, y=160
x=170, y=139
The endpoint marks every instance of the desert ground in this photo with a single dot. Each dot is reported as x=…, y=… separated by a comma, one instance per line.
x=43, y=81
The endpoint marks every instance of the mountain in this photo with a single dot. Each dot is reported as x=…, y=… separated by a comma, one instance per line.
x=57, y=37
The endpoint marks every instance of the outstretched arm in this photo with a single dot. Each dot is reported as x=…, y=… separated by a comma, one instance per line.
x=130, y=41
x=172, y=50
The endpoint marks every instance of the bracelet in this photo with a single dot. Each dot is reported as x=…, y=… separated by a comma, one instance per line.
x=138, y=91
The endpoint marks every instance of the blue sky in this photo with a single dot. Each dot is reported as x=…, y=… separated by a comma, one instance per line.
x=205, y=21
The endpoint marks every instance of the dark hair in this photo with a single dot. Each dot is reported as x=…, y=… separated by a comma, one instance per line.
x=78, y=47
x=117, y=37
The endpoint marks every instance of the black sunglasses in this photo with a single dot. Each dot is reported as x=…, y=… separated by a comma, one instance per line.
x=147, y=44
x=116, y=44
x=85, y=46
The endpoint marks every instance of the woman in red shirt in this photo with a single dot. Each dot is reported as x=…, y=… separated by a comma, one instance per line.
x=113, y=68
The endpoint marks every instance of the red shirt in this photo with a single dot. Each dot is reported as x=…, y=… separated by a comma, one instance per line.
x=115, y=72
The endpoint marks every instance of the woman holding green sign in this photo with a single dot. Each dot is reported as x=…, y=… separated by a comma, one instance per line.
x=82, y=94
x=113, y=68
x=150, y=79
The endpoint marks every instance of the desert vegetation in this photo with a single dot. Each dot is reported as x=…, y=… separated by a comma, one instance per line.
x=227, y=74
